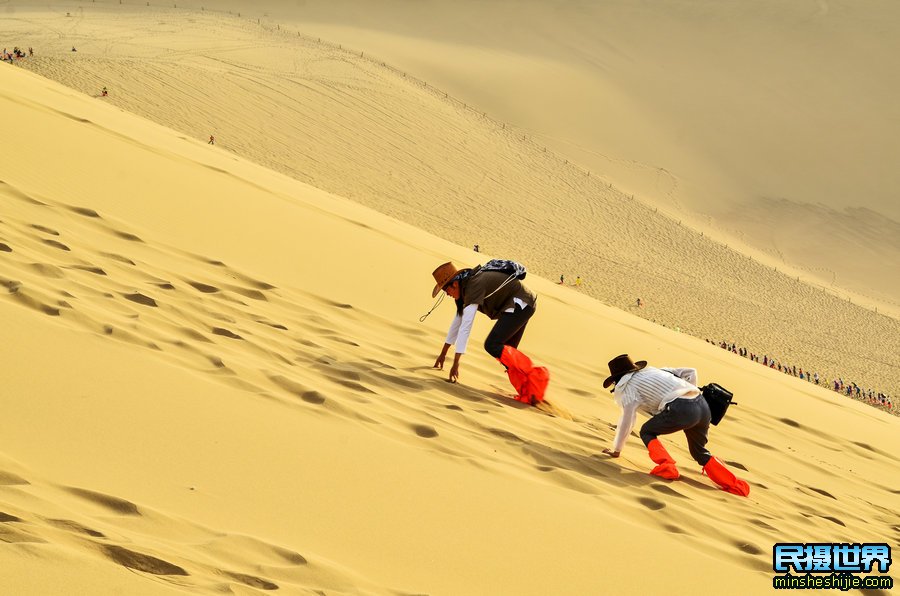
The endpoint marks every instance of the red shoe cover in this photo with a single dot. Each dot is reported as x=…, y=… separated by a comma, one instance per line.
x=727, y=481
x=529, y=381
x=658, y=453
x=667, y=471
x=666, y=468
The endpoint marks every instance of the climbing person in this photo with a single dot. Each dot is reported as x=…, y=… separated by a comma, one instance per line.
x=499, y=294
x=672, y=400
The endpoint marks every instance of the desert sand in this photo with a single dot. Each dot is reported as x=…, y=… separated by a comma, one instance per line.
x=216, y=380
x=364, y=130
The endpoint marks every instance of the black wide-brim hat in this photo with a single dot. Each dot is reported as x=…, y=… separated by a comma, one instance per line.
x=621, y=366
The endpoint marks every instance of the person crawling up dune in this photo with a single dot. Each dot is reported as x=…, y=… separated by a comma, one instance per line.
x=504, y=299
x=671, y=397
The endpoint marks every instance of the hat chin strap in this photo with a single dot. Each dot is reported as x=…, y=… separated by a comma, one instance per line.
x=439, y=300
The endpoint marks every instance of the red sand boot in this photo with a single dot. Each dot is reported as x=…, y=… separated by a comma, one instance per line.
x=722, y=476
x=529, y=381
x=666, y=468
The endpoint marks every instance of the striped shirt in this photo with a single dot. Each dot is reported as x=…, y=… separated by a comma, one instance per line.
x=650, y=390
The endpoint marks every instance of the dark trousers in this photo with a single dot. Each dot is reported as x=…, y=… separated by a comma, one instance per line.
x=508, y=330
x=689, y=415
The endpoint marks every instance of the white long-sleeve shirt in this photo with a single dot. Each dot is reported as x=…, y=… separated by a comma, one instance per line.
x=650, y=390
x=461, y=327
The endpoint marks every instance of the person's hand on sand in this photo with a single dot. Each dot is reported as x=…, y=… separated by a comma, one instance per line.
x=611, y=453
x=454, y=372
x=439, y=363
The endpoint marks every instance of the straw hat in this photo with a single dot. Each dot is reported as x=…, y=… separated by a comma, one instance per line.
x=442, y=276
x=621, y=366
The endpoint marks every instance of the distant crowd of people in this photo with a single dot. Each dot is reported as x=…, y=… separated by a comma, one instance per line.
x=15, y=54
x=849, y=388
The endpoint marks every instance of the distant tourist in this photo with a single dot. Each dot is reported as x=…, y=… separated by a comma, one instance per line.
x=212, y=140
x=104, y=92
x=476, y=248
x=562, y=279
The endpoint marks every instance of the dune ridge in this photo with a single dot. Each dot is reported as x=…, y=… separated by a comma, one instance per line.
x=418, y=157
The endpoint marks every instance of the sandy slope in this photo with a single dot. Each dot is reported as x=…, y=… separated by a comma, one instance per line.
x=215, y=382
x=774, y=112
x=353, y=127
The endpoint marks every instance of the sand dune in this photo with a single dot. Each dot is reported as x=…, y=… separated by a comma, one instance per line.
x=215, y=381
x=709, y=109
x=349, y=125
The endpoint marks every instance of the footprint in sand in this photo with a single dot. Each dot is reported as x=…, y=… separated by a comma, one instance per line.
x=140, y=562
x=400, y=381
x=56, y=244
x=424, y=431
x=118, y=258
x=750, y=441
x=88, y=268
x=140, y=299
x=666, y=490
x=822, y=492
x=25, y=299
x=10, y=479
x=5, y=247
x=271, y=324
x=12, y=535
x=505, y=435
x=85, y=212
x=225, y=333
x=114, y=504
x=833, y=520
x=202, y=287
x=48, y=270
x=763, y=525
x=250, y=580
x=313, y=397
x=45, y=229
x=651, y=504
x=73, y=526
x=127, y=236
x=750, y=549
x=351, y=385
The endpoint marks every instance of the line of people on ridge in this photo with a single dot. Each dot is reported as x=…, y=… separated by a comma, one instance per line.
x=850, y=388
x=670, y=396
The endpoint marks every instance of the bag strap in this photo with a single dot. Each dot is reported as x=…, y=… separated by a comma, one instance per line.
x=511, y=277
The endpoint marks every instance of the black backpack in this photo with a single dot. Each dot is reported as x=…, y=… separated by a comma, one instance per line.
x=511, y=268
x=718, y=399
